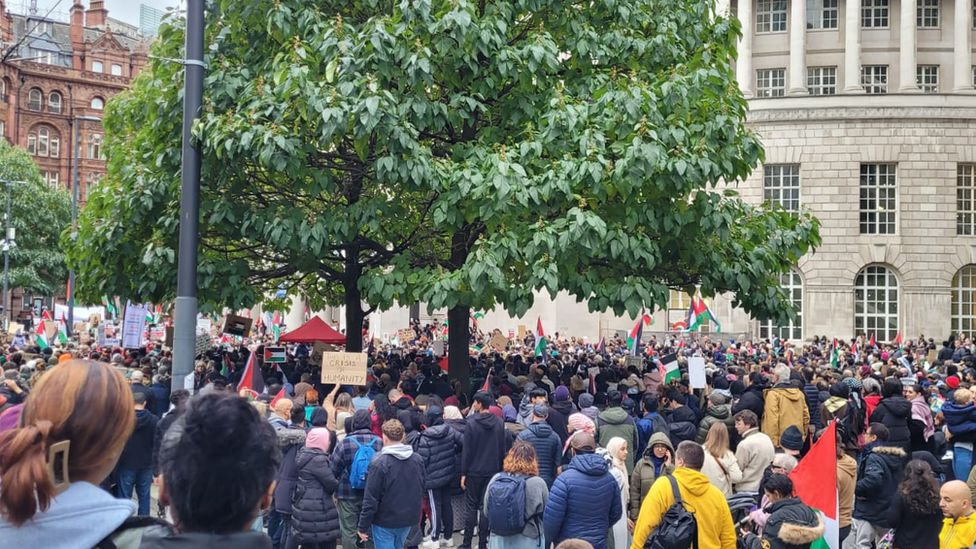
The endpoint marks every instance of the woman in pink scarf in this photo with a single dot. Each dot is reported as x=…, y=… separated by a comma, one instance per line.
x=578, y=423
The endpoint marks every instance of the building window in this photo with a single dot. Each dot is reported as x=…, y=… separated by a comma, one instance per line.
x=90, y=180
x=927, y=14
x=3, y=129
x=54, y=102
x=771, y=16
x=32, y=143
x=97, y=103
x=781, y=185
x=35, y=99
x=792, y=285
x=966, y=199
x=770, y=82
x=95, y=147
x=97, y=66
x=876, y=303
x=878, y=193
x=927, y=77
x=822, y=80
x=116, y=70
x=52, y=178
x=874, y=78
x=821, y=14
x=874, y=14
x=964, y=301
x=44, y=141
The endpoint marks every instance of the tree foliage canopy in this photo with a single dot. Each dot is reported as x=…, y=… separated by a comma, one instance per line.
x=39, y=213
x=455, y=152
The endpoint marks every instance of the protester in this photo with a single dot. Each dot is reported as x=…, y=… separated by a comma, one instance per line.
x=658, y=460
x=754, y=453
x=135, y=468
x=681, y=420
x=791, y=524
x=585, y=499
x=712, y=515
x=878, y=477
x=959, y=525
x=846, y=484
x=315, y=519
x=716, y=412
x=545, y=441
x=482, y=454
x=785, y=405
x=359, y=445
x=922, y=424
x=519, y=467
x=720, y=465
x=438, y=445
x=616, y=422
x=650, y=422
x=895, y=413
x=562, y=407
x=915, y=514
x=394, y=490
x=616, y=454
x=290, y=435
x=217, y=463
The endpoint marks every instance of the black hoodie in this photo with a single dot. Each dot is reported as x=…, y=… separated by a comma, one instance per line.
x=138, y=452
x=483, y=449
x=895, y=413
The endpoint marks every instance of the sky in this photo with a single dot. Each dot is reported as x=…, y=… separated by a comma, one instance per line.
x=124, y=10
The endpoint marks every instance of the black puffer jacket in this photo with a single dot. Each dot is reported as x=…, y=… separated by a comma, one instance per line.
x=878, y=476
x=791, y=525
x=751, y=399
x=812, y=395
x=683, y=425
x=314, y=516
x=895, y=412
x=438, y=447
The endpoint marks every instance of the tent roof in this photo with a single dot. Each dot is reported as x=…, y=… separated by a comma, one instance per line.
x=312, y=331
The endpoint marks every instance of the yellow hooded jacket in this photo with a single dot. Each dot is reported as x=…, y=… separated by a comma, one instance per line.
x=715, y=528
x=958, y=533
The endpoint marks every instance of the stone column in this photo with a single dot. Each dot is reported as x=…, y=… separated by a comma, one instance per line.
x=852, y=47
x=296, y=314
x=798, y=48
x=961, y=50
x=906, y=53
x=743, y=64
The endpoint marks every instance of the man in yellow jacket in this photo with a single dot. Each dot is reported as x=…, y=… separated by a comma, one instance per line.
x=959, y=524
x=785, y=406
x=715, y=528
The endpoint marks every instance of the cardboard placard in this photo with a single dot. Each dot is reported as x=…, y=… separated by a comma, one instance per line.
x=274, y=355
x=932, y=357
x=696, y=372
x=202, y=344
x=521, y=331
x=498, y=342
x=438, y=347
x=635, y=361
x=236, y=325
x=14, y=327
x=405, y=335
x=50, y=330
x=344, y=368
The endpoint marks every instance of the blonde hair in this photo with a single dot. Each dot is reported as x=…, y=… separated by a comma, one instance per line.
x=963, y=396
x=717, y=441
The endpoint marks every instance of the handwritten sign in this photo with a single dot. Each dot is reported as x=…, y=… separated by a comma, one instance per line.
x=635, y=361
x=498, y=342
x=344, y=368
x=521, y=331
x=133, y=326
x=406, y=335
x=14, y=327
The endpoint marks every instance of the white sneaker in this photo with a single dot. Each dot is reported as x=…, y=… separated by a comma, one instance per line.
x=447, y=542
x=430, y=544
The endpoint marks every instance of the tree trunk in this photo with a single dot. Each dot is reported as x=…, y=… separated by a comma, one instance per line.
x=458, y=363
x=354, y=302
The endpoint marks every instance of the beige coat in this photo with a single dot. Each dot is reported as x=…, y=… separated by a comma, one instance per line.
x=722, y=473
x=754, y=454
x=785, y=406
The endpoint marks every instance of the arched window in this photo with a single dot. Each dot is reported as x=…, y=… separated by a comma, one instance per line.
x=95, y=147
x=44, y=141
x=876, y=303
x=964, y=300
x=54, y=102
x=97, y=103
x=35, y=99
x=792, y=284
x=4, y=86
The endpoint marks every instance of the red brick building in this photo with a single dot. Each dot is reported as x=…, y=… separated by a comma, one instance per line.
x=58, y=75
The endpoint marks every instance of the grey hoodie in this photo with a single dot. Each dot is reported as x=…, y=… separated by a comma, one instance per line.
x=400, y=451
x=80, y=517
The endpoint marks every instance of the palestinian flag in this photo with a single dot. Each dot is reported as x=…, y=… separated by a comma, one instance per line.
x=815, y=483
x=668, y=364
x=699, y=312
x=274, y=355
x=540, y=339
x=62, y=334
x=872, y=342
x=443, y=363
x=279, y=396
x=40, y=338
x=634, y=339
x=486, y=386
x=276, y=326
x=251, y=379
x=227, y=363
x=835, y=356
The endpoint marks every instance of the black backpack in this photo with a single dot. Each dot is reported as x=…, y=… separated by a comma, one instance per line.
x=678, y=528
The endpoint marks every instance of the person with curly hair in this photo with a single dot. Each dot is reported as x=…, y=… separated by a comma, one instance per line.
x=521, y=463
x=915, y=508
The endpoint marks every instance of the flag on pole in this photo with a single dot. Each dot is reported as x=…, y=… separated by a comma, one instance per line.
x=699, y=312
x=40, y=338
x=668, y=364
x=897, y=341
x=225, y=369
x=252, y=379
x=62, y=334
x=637, y=332
x=601, y=346
x=835, y=356
x=279, y=396
x=274, y=355
x=872, y=342
x=486, y=386
x=540, y=340
x=443, y=363
x=815, y=483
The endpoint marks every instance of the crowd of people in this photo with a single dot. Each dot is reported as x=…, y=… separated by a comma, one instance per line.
x=582, y=446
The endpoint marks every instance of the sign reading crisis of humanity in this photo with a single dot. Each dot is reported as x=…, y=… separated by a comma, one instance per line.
x=344, y=368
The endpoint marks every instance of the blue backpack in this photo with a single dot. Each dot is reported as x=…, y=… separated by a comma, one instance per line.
x=506, y=505
x=360, y=463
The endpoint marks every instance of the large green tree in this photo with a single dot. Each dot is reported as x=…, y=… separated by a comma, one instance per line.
x=39, y=213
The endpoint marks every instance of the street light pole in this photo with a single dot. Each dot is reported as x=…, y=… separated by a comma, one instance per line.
x=185, y=321
x=75, y=182
x=7, y=242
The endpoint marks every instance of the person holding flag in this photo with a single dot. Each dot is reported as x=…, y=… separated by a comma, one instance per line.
x=791, y=524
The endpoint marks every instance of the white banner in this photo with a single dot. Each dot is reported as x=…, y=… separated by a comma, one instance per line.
x=134, y=326
x=82, y=314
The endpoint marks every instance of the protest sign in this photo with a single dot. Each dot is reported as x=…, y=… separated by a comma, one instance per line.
x=133, y=326
x=344, y=368
x=273, y=355
x=696, y=372
x=635, y=361
x=14, y=327
x=406, y=335
x=236, y=325
x=498, y=342
x=438, y=347
x=521, y=331
x=202, y=344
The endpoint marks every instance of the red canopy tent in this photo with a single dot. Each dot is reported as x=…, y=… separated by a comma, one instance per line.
x=313, y=331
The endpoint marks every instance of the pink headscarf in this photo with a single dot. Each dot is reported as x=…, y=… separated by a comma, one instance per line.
x=578, y=423
x=318, y=438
